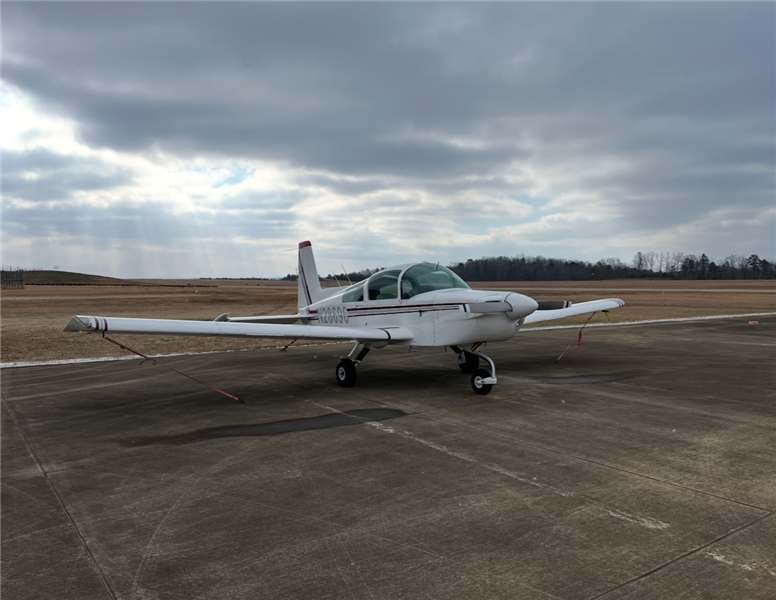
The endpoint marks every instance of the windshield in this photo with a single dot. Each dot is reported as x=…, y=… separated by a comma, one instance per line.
x=427, y=277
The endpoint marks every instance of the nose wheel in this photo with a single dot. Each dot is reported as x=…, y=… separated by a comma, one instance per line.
x=479, y=377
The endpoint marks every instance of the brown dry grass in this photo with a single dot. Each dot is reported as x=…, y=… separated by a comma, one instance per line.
x=32, y=319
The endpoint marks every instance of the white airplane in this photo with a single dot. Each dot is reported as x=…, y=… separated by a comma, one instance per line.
x=416, y=304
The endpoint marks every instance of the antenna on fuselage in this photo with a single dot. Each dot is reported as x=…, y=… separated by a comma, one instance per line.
x=346, y=274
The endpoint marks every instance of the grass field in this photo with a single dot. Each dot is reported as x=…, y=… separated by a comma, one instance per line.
x=32, y=320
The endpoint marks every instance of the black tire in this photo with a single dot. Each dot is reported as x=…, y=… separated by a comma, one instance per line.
x=346, y=373
x=477, y=385
x=468, y=362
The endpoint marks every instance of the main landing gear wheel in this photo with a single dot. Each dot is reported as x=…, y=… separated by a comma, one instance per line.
x=346, y=373
x=467, y=361
x=477, y=382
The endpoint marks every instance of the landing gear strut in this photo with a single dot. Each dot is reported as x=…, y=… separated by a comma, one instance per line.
x=346, y=368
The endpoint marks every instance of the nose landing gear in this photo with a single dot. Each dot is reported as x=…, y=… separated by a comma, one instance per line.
x=469, y=360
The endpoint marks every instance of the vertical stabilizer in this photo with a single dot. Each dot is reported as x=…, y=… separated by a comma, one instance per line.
x=309, y=284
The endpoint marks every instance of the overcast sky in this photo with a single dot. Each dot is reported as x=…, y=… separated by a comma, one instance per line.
x=199, y=139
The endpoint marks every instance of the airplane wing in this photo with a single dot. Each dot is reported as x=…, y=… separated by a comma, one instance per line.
x=571, y=311
x=226, y=328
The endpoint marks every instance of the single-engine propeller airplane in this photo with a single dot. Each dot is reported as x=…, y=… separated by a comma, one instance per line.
x=417, y=304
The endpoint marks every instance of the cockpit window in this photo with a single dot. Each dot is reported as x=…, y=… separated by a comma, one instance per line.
x=427, y=277
x=355, y=293
x=384, y=285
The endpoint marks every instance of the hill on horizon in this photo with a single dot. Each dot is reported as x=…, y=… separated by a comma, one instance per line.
x=69, y=278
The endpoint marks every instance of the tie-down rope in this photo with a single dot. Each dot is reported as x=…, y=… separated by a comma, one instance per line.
x=153, y=362
x=579, y=340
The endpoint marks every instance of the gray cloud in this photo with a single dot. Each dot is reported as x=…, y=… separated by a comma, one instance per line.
x=324, y=84
x=277, y=202
x=153, y=223
x=56, y=176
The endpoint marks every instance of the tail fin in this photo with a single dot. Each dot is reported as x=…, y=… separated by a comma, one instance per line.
x=309, y=284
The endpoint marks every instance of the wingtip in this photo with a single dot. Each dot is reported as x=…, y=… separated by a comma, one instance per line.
x=76, y=324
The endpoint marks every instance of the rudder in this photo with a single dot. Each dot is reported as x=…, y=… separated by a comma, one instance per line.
x=309, y=283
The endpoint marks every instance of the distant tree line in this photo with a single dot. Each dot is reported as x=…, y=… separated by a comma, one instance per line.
x=353, y=277
x=238, y=278
x=668, y=265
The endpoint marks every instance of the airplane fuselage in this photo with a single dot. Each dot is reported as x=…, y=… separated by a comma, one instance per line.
x=444, y=317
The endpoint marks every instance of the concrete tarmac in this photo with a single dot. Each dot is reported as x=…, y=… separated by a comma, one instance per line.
x=644, y=468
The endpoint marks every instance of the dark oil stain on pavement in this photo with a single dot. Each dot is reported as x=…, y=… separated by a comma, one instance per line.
x=327, y=421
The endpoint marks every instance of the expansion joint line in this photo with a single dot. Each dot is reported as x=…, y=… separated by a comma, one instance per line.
x=61, y=502
x=685, y=555
x=614, y=468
